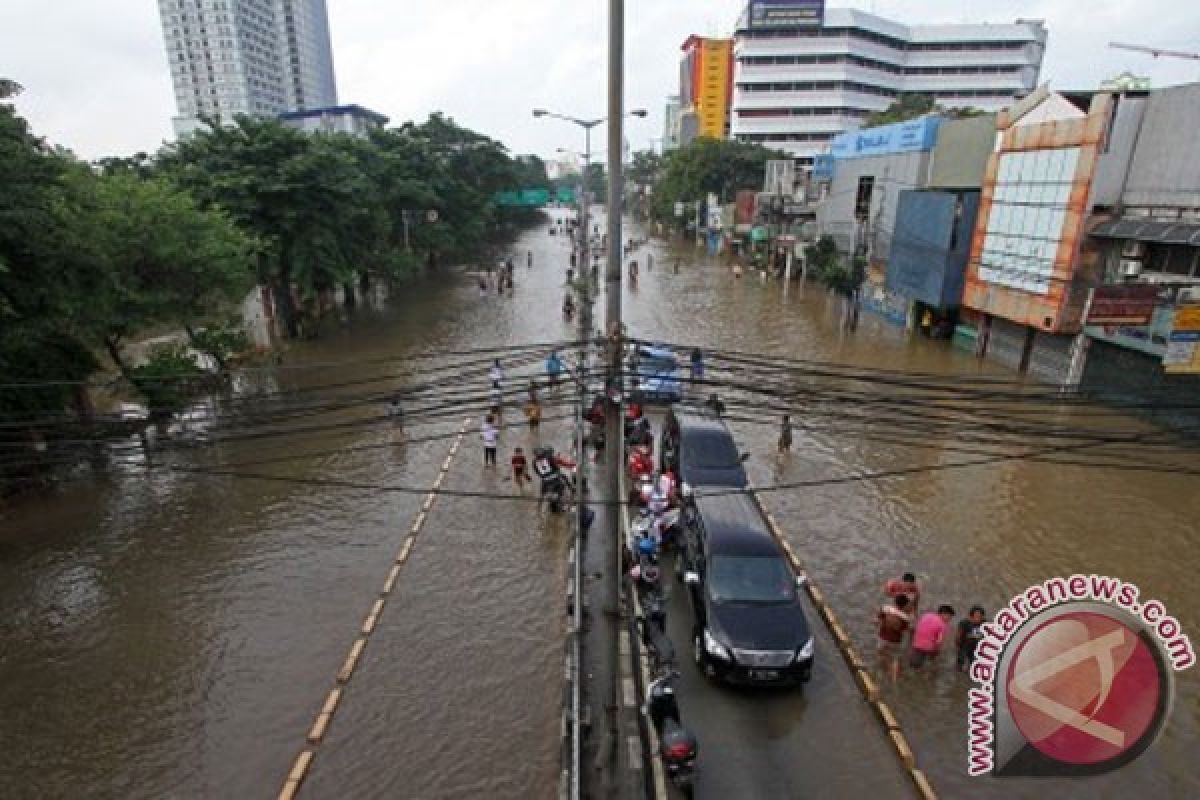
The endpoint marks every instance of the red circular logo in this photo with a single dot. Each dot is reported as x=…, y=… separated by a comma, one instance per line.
x=1085, y=688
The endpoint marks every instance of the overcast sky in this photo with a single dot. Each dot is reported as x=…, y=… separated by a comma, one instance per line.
x=96, y=78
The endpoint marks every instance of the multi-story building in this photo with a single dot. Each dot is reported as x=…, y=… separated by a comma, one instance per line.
x=705, y=83
x=254, y=57
x=352, y=119
x=670, y=137
x=803, y=73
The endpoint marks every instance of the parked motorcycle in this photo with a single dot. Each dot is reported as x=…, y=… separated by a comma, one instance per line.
x=677, y=746
x=647, y=577
x=653, y=625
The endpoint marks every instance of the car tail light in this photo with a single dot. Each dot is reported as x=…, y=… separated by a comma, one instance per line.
x=679, y=750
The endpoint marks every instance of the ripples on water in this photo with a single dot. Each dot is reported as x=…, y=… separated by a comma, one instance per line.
x=173, y=636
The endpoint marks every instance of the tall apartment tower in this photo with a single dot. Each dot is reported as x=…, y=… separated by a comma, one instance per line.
x=254, y=57
x=705, y=81
x=804, y=73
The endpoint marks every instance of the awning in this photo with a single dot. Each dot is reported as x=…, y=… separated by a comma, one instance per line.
x=1145, y=230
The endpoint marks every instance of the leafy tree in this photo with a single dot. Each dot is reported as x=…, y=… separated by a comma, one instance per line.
x=911, y=105
x=720, y=166
x=644, y=168
x=595, y=182
x=908, y=105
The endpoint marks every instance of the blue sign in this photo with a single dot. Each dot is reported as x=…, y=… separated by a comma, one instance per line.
x=902, y=137
x=786, y=13
x=822, y=168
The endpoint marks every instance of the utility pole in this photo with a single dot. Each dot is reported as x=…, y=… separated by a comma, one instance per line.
x=612, y=285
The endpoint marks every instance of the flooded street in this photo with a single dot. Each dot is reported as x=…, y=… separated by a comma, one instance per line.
x=172, y=634
x=972, y=535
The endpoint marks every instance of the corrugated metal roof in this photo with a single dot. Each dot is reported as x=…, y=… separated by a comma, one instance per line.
x=1148, y=230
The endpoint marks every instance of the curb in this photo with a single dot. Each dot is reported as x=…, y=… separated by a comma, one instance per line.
x=320, y=726
x=862, y=676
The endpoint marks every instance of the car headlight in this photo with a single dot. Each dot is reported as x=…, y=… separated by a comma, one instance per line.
x=714, y=647
x=806, y=652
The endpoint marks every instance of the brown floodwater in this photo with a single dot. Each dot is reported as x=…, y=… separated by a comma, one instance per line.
x=167, y=633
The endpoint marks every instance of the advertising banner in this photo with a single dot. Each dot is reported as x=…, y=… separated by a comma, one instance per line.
x=786, y=13
x=1183, y=348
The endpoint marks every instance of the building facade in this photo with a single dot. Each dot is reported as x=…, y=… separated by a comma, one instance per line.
x=253, y=57
x=705, y=84
x=351, y=119
x=1149, y=245
x=670, y=137
x=1058, y=159
x=800, y=79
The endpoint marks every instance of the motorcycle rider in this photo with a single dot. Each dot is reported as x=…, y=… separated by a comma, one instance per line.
x=548, y=466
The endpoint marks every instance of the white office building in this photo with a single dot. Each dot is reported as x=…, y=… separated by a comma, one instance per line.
x=254, y=57
x=799, y=83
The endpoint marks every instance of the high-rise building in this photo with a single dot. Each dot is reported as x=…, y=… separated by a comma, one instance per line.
x=705, y=81
x=670, y=137
x=804, y=73
x=254, y=57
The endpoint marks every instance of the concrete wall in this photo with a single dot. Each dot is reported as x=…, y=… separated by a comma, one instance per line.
x=1113, y=158
x=893, y=173
x=1166, y=165
x=961, y=156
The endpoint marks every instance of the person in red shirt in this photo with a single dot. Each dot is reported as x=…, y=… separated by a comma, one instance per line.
x=907, y=586
x=520, y=469
x=894, y=621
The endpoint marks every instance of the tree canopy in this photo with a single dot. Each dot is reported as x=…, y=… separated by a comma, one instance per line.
x=717, y=166
x=92, y=254
x=911, y=105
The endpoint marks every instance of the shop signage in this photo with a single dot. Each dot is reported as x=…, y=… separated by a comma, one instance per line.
x=902, y=137
x=1183, y=348
x=786, y=13
x=1122, y=305
x=747, y=200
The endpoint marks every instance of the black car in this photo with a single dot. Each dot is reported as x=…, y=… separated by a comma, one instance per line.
x=698, y=447
x=749, y=627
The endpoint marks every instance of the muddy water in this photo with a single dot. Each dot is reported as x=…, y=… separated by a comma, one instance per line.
x=972, y=535
x=173, y=635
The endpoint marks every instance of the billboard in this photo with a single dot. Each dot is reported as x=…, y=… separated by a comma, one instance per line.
x=786, y=13
x=900, y=137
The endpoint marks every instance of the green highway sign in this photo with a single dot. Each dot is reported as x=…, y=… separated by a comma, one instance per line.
x=522, y=198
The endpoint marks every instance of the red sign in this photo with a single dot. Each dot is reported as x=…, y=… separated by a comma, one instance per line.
x=1122, y=305
x=746, y=202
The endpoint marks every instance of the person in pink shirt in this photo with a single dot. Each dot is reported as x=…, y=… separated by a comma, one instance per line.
x=928, y=635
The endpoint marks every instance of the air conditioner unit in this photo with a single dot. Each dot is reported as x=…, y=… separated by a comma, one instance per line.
x=1130, y=268
x=1189, y=295
x=1133, y=249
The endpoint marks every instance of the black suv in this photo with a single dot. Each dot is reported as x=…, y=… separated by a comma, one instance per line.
x=749, y=624
x=701, y=451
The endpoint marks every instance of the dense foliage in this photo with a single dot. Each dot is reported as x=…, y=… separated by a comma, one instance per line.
x=911, y=105
x=719, y=166
x=92, y=254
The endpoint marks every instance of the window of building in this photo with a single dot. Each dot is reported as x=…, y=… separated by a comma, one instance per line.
x=862, y=200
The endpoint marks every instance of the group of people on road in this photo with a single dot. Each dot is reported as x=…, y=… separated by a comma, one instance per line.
x=899, y=620
x=499, y=277
x=546, y=464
